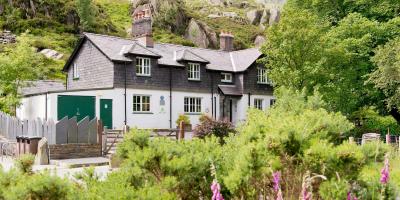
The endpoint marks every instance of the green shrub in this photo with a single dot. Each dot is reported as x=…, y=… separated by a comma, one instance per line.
x=208, y=126
x=375, y=151
x=334, y=189
x=369, y=121
x=42, y=186
x=183, y=118
x=25, y=163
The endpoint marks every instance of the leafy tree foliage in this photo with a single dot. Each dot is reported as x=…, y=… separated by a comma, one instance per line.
x=86, y=14
x=387, y=76
x=18, y=65
x=328, y=46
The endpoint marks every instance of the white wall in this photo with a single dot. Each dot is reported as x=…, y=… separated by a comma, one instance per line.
x=159, y=116
x=32, y=107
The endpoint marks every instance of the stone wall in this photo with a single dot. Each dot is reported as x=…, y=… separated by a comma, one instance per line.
x=69, y=151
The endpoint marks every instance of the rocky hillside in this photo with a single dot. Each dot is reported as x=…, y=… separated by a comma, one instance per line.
x=55, y=24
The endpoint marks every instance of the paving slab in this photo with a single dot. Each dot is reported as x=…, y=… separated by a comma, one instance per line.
x=80, y=162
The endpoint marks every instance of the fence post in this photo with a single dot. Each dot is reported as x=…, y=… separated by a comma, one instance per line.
x=351, y=140
x=387, y=139
x=181, y=130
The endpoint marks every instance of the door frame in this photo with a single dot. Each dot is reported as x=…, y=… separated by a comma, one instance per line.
x=112, y=109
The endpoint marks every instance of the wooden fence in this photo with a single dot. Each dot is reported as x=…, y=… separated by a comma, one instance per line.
x=64, y=131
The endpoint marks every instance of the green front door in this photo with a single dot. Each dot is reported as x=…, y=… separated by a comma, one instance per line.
x=106, y=112
x=76, y=106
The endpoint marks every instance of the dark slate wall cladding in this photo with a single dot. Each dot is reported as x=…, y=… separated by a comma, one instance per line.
x=95, y=69
x=159, y=78
x=251, y=85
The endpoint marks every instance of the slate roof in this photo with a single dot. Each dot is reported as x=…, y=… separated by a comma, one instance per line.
x=41, y=87
x=116, y=48
x=230, y=90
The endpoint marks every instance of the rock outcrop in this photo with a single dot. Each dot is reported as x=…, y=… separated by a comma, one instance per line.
x=7, y=37
x=50, y=53
x=254, y=16
x=259, y=41
x=201, y=35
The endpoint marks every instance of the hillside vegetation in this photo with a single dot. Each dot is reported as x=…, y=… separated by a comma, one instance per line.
x=55, y=24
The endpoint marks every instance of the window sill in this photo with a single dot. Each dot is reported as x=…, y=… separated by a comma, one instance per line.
x=143, y=75
x=263, y=83
x=192, y=113
x=142, y=113
x=226, y=81
x=198, y=80
x=75, y=79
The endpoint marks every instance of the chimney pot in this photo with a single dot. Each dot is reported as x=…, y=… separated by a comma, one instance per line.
x=226, y=41
x=142, y=26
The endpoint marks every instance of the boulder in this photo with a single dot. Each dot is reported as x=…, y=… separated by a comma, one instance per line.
x=259, y=41
x=42, y=156
x=229, y=14
x=217, y=2
x=7, y=37
x=254, y=16
x=275, y=15
x=264, y=19
x=213, y=16
x=50, y=53
x=196, y=34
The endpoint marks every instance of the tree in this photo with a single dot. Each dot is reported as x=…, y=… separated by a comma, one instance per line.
x=19, y=64
x=387, y=76
x=86, y=14
x=308, y=49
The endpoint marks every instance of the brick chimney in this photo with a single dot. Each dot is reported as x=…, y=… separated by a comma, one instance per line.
x=226, y=41
x=142, y=29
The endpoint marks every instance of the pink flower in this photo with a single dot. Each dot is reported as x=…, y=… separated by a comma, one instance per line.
x=385, y=171
x=304, y=193
x=276, y=179
x=216, y=190
x=349, y=196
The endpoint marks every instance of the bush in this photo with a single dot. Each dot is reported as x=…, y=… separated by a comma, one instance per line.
x=209, y=126
x=334, y=189
x=369, y=121
x=25, y=163
x=183, y=118
x=375, y=151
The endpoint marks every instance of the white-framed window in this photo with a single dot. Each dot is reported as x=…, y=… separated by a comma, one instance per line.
x=75, y=71
x=258, y=103
x=143, y=67
x=141, y=103
x=226, y=77
x=262, y=76
x=194, y=71
x=192, y=105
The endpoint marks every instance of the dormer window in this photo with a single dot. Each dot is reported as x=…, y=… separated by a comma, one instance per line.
x=194, y=71
x=75, y=71
x=226, y=77
x=143, y=66
x=262, y=77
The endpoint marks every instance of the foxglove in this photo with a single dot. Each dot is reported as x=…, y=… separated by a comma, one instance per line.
x=216, y=190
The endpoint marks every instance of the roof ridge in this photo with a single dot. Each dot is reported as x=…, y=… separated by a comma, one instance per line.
x=179, y=45
x=110, y=36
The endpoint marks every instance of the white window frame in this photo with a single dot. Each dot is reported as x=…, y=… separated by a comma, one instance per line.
x=143, y=66
x=192, y=105
x=225, y=79
x=141, y=103
x=258, y=103
x=262, y=76
x=75, y=71
x=194, y=71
